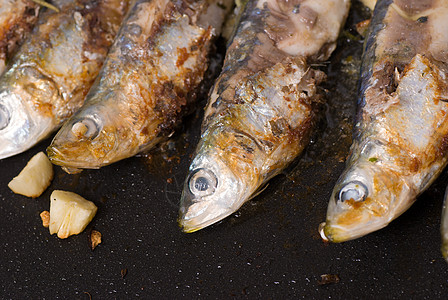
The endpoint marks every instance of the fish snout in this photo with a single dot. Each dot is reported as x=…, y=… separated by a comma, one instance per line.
x=207, y=199
x=334, y=234
x=357, y=208
x=348, y=211
x=82, y=143
x=200, y=184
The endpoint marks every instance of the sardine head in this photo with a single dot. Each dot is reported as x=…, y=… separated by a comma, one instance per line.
x=211, y=193
x=365, y=199
x=20, y=126
x=85, y=141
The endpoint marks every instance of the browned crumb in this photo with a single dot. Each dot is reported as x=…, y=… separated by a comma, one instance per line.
x=328, y=278
x=95, y=239
x=123, y=273
x=45, y=216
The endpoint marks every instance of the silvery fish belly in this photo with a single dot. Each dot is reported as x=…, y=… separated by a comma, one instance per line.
x=260, y=111
x=444, y=227
x=52, y=72
x=17, y=18
x=401, y=135
x=148, y=81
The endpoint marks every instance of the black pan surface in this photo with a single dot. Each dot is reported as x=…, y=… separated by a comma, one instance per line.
x=270, y=249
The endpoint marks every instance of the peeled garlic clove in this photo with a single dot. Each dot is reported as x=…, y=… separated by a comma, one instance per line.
x=69, y=213
x=34, y=178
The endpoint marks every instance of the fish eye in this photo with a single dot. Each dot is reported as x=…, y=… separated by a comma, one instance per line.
x=4, y=117
x=355, y=190
x=202, y=182
x=87, y=128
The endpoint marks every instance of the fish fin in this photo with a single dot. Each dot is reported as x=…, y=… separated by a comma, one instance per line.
x=46, y=4
x=258, y=191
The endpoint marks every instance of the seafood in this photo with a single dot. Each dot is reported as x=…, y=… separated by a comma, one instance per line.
x=401, y=133
x=444, y=227
x=261, y=109
x=146, y=86
x=17, y=18
x=52, y=72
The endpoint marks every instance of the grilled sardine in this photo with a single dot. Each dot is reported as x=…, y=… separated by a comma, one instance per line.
x=260, y=111
x=149, y=80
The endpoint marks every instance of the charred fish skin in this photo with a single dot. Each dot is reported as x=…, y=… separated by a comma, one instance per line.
x=260, y=111
x=401, y=131
x=52, y=72
x=17, y=19
x=147, y=84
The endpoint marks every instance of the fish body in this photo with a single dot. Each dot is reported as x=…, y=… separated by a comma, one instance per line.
x=401, y=133
x=17, y=18
x=149, y=80
x=50, y=75
x=260, y=111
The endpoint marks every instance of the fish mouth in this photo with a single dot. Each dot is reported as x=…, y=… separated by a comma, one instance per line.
x=57, y=157
x=198, y=213
x=339, y=234
x=199, y=216
x=85, y=142
x=351, y=223
x=336, y=233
